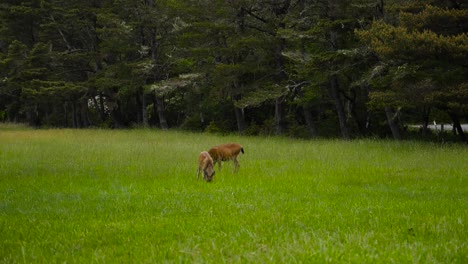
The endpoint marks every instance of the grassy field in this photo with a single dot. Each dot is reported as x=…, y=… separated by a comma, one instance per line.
x=131, y=196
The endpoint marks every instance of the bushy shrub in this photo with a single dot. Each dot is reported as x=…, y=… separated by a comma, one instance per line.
x=213, y=128
x=252, y=130
x=192, y=123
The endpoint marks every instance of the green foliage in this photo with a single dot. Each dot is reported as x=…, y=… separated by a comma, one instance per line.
x=192, y=123
x=345, y=60
x=115, y=33
x=213, y=128
x=422, y=60
x=260, y=96
x=436, y=19
x=399, y=43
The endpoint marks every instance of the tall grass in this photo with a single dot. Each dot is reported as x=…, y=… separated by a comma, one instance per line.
x=95, y=196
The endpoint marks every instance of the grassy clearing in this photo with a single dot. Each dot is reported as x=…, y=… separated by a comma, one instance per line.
x=85, y=196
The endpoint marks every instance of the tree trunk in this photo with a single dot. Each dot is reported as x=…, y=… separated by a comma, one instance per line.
x=425, y=127
x=394, y=127
x=65, y=113
x=139, y=115
x=280, y=113
x=280, y=120
x=309, y=121
x=74, y=115
x=79, y=118
x=333, y=11
x=98, y=107
x=116, y=116
x=102, y=109
x=142, y=116
x=352, y=111
x=30, y=115
x=144, y=111
x=84, y=114
x=334, y=90
x=161, y=113
x=458, y=127
x=240, y=119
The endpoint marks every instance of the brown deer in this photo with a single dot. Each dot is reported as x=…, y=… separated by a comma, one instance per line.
x=205, y=164
x=226, y=152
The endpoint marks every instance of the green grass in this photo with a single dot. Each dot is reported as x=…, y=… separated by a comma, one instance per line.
x=105, y=196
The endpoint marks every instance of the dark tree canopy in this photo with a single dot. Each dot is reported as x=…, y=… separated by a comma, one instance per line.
x=289, y=67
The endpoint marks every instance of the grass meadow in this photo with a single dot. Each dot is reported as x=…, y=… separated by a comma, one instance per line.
x=132, y=196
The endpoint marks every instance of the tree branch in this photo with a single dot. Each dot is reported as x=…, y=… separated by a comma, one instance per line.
x=69, y=47
x=261, y=29
x=254, y=15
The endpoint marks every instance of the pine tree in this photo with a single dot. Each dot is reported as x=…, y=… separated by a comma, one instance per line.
x=422, y=61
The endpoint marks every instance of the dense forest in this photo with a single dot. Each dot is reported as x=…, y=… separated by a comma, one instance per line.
x=301, y=68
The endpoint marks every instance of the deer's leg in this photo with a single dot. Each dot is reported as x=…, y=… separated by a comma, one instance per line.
x=236, y=164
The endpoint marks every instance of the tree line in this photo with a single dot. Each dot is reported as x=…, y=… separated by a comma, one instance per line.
x=303, y=68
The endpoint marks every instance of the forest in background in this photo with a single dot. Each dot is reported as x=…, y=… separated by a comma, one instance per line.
x=300, y=68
